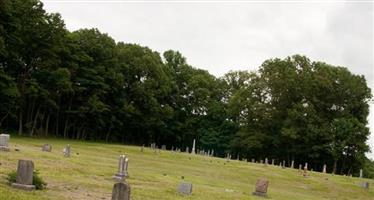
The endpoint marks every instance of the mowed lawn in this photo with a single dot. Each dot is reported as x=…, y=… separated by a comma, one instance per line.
x=87, y=174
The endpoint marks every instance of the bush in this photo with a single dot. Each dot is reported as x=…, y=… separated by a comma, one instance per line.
x=36, y=180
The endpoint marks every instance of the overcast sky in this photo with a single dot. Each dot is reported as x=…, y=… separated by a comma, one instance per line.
x=223, y=36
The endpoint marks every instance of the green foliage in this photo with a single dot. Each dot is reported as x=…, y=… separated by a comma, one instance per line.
x=39, y=183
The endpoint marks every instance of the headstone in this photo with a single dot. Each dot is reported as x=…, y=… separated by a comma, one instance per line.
x=163, y=147
x=208, y=153
x=253, y=160
x=361, y=173
x=212, y=153
x=121, y=191
x=284, y=164
x=185, y=188
x=266, y=161
x=305, y=173
x=122, y=168
x=261, y=187
x=193, y=146
x=237, y=157
x=261, y=161
x=187, y=150
x=272, y=161
x=324, y=168
x=365, y=185
x=67, y=150
x=4, y=139
x=300, y=166
x=24, y=177
x=142, y=148
x=47, y=147
x=292, y=164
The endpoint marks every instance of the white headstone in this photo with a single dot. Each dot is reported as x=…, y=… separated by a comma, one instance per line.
x=4, y=139
x=193, y=146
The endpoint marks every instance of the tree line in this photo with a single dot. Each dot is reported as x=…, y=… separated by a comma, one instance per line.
x=84, y=85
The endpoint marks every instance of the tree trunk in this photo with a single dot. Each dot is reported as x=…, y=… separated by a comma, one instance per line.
x=107, y=135
x=20, y=127
x=47, y=125
x=66, y=127
x=34, y=122
x=335, y=165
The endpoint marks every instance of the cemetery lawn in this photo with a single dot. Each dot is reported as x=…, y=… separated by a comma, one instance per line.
x=87, y=174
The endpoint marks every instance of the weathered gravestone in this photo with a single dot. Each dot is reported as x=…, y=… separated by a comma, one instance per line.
x=361, y=173
x=266, y=161
x=272, y=161
x=324, y=168
x=122, y=168
x=364, y=185
x=292, y=164
x=261, y=187
x=47, y=147
x=121, y=191
x=163, y=147
x=305, y=173
x=185, y=188
x=4, y=139
x=142, y=148
x=187, y=150
x=67, y=150
x=193, y=147
x=284, y=164
x=24, y=179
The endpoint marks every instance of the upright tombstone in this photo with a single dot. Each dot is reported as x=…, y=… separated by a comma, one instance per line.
x=284, y=164
x=253, y=160
x=212, y=153
x=187, y=149
x=185, y=188
x=122, y=168
x=300, y=166
x=121, y=191
x=266, y=161
x=361, y=173
x=292, y=164
x=24, y=179
x=163, y=147
x=47, y=147
x=305, y=173
x=142, y=148
x=193, y=146
x=272, y=161
x=324, y=168
x=67, y=150
x=4, y=140
x=261, y=187
x=364, y=185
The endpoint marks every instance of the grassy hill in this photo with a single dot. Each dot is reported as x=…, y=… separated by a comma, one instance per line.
x=88, y=175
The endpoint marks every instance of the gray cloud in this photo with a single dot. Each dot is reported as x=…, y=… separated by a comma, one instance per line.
x=237, y=36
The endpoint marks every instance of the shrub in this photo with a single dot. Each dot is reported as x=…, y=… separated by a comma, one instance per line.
x=39, y=183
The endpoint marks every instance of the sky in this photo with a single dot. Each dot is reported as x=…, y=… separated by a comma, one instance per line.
x=220, y=36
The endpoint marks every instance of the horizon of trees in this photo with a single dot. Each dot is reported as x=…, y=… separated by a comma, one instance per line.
x=84, y=85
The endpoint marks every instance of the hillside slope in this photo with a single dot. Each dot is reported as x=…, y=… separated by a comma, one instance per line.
x=88, y=175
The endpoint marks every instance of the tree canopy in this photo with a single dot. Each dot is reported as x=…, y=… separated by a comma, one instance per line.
x=85, y=85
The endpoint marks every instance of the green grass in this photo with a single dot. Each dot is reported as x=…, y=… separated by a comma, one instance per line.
x=156, y=176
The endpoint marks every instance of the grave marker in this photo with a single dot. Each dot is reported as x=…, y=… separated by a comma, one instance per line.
x=185, y=188
x=4, y=139
x=47, y=147
x=122, y=168
x=261, y=187
x=67, y=150
x=24, y=179
x=121, y=191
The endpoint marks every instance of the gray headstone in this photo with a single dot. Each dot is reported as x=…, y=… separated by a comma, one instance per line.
x=4, y=139
x=361, y=173
x=292, y=164
x=121, y=191
x=163, y=147
x=272, y=161
x=142, y=148
x=47, y=147
x=25, y=171
x=261, y=187
x=324, y=168
x=187, y=150
x=365, y=185
x=185, y=188
x=122, y=168
x=193, y=146
x=67, y=150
